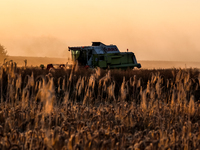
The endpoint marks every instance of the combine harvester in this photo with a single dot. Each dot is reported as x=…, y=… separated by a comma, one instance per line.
x=103, y=56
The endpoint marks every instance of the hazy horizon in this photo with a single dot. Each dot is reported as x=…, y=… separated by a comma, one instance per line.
x=153, y=30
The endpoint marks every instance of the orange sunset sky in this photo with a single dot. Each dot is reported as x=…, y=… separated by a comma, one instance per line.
x=152, y=29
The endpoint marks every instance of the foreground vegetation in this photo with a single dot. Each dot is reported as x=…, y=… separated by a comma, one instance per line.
x=99, y=109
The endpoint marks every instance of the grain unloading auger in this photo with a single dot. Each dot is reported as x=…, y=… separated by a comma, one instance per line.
x=103, y=56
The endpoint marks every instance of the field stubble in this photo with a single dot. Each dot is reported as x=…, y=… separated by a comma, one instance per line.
x=99, y=109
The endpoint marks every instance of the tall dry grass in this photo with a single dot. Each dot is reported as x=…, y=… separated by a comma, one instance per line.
x=99, y=109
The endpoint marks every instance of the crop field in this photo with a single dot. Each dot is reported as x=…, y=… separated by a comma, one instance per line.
x=79, y=109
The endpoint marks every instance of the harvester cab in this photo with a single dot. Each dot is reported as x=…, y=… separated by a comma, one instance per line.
x=103, y=56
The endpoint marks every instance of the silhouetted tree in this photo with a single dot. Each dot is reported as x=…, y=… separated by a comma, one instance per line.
x=25, y=61
x=3, y=52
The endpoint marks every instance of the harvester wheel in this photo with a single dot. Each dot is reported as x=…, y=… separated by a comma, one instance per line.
x=139, y=66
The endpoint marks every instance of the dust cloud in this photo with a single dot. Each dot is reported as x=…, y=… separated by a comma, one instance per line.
x=43, y=46
x=161, y=44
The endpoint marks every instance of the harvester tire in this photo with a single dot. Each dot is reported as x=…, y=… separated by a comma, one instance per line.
x=139, y=66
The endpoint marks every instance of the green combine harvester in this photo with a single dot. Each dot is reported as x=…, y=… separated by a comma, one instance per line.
x=103, y=56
